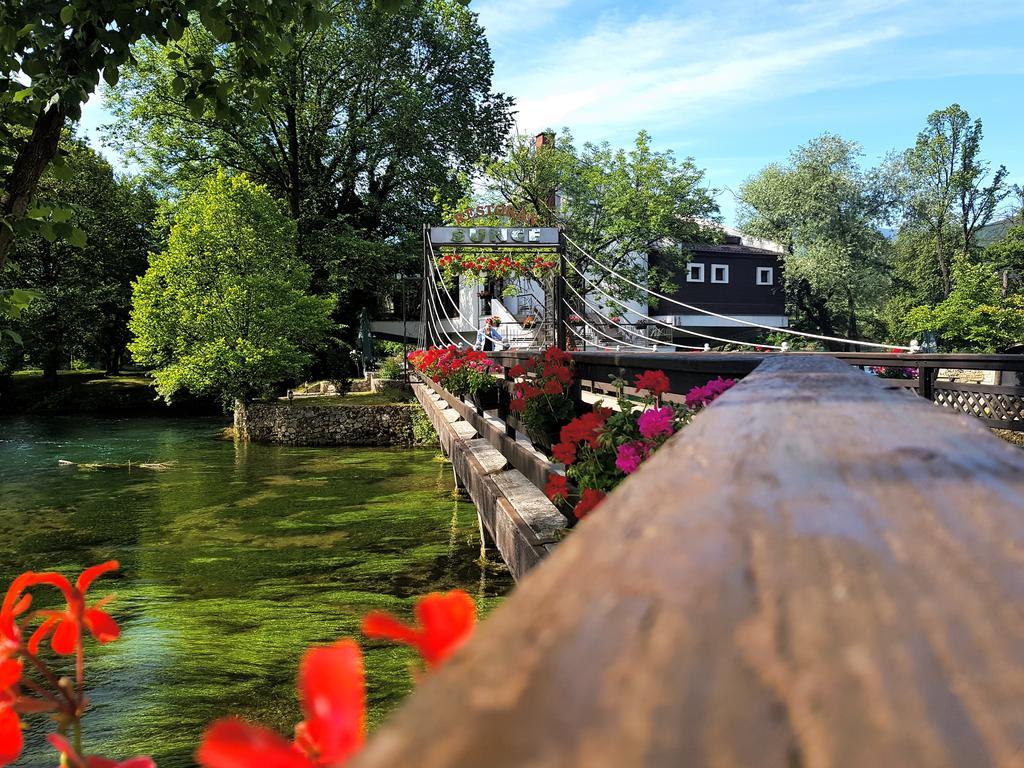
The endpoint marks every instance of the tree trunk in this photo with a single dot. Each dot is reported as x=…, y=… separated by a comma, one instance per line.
x=51, y=364
x=28, y=167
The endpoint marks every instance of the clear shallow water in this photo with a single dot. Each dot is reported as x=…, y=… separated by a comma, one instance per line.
x=233, y=560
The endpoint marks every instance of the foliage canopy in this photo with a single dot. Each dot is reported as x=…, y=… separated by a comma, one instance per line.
x=223, y=310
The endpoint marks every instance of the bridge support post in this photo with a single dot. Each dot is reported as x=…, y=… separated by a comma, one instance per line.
x=560, y=314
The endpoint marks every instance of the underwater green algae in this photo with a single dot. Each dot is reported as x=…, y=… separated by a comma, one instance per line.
x=233, y=560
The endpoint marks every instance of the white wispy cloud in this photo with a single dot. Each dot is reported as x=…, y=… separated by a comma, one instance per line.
x=502, y=18
x=619, y=71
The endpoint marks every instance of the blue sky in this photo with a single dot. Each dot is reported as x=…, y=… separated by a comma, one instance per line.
x=740, y=83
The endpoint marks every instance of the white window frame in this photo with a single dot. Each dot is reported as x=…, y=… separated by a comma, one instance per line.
x=770, y=271
x=725, y=273
x=700, y=272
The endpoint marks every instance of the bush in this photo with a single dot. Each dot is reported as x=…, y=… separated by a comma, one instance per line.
x=391, y=368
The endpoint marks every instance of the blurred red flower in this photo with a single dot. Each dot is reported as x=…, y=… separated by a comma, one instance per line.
x=66, y=625
x=444, y=622
x=333, y=692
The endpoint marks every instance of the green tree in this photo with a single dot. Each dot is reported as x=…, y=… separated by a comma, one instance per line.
x=65, y=47
x=223, y=310
x=949, y=198
x=83, y=286
x=615, y=203
x=828, y=210
x=975, y=317
x=1007, y=255
x=362, y=121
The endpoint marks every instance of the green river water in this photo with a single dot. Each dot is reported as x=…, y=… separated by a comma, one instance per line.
x=233, y=560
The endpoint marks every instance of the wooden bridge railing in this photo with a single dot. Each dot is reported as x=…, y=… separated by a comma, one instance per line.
x=817, y=572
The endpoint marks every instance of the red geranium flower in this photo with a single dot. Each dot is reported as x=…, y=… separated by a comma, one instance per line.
x=560, y=372
x=585, y=428
x=557, y=356
x=556, y=488
x=564, y=452
x=552, y=387
x=11, y=740
x=444, y=622
x=94, y=761
x=589, y=499
x=333, y=693
x=516, y=371
x=15, y=604
x=67, y=625
x=655, y=382
x=517, y=405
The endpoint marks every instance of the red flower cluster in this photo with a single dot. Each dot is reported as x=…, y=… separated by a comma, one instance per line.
x=333, y=691
x=553, y=375
x=585, y=428
x=503, y=267
x=66, y=703
x=655, y=382
x=445, y=623
x=556, y=488
x=457, y=370
x=589, y=499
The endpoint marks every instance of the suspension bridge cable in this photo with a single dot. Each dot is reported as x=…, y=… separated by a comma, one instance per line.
x=438, y=325
x=595, y=330
x=727, y=317
x=455, y=306
x=667, y=325
x=638, y=335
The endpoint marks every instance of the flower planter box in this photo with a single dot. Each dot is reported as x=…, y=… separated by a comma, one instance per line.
x=486, y=400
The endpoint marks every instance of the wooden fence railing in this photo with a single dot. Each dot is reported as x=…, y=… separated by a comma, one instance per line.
x=817, y=572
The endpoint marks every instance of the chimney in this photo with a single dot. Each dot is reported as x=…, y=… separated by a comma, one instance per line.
x=541, y=140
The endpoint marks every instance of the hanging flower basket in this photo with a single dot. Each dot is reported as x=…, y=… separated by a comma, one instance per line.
x=476, y=268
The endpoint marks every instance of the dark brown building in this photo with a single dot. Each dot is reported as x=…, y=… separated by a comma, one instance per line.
x=740, y=277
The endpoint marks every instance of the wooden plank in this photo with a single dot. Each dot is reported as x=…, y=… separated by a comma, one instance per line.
x=818, y=572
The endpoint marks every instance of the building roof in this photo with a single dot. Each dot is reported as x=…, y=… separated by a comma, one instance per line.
x=732, y=249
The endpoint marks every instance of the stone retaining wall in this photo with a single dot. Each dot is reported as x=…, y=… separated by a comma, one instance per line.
x=285, y=424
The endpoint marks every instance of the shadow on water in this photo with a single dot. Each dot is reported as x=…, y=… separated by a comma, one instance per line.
x=233, y=560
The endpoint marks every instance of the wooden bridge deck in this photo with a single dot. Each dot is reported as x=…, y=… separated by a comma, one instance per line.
x=502, y=476
x=819, y=572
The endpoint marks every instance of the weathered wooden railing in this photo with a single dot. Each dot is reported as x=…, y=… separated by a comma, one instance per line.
x=819, y=571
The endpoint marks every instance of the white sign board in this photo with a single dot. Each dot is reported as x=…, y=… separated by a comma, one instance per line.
x=494, y=235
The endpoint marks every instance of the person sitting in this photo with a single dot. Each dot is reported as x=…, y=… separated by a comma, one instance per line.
x=488, y=338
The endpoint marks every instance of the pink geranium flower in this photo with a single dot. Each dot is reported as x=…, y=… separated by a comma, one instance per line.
x=630, y=455
x=656, y=422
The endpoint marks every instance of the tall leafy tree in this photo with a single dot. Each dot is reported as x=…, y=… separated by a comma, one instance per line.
x=828, y=210
x=82, y=277
x=223, y=311
x=362, y=121
x=615, y=203
x=63, y=48
x=952, y=195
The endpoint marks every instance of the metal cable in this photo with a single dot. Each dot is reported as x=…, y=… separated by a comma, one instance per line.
x=611, y=338
x=638, y=335
x=727, y=317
